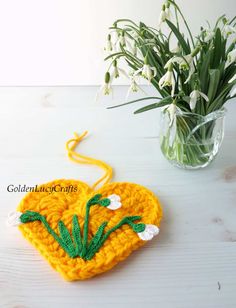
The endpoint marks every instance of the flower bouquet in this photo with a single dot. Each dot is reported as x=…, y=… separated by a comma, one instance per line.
x=194, y=78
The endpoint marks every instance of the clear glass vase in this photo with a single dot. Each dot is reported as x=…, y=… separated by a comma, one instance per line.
x=191, y=141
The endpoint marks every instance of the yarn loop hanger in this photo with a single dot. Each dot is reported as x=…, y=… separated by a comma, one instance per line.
x=82, y=159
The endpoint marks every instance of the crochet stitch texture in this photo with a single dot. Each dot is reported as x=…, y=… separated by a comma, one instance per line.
x=62, y=206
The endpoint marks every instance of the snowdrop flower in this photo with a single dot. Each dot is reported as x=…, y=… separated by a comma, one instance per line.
x=147, y=71
x=209, y=34
x=118, y=71
x=14, y=219
x=134, y=87
x=228, y=30
x=168, y=79
x=149, y=232
x=185, y=63
x=122, y=39
x=194, y=96
x=106, y=88
x=231, y=58
x=163, y=16
x=114, y=202
x=167, y=11
x=109, y=45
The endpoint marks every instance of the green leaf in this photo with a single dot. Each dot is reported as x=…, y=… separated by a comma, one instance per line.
x=220, y=100
x=161, y=103
x=66, y=238
x=94, y=244
x=134, y=101
x=218, y=48
x=180, y=37
x=76, y=235
x=213, y=84
x=204, y=71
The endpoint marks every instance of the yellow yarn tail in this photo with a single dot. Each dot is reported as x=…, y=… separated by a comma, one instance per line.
x=81, y=159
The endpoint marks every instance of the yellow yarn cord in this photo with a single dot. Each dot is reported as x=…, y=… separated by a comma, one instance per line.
x=81, y=159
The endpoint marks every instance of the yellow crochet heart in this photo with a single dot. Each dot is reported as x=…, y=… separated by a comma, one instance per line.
x=136, y=200
x=83, y=232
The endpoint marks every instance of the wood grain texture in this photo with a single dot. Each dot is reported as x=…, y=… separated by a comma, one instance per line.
x=193, y=261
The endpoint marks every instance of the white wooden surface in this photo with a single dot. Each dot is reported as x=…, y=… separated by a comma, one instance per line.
x=193, y=261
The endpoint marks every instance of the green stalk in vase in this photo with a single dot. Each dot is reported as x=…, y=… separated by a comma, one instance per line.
x=193, y=78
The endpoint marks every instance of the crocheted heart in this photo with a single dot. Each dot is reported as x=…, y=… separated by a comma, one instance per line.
x=58, y=210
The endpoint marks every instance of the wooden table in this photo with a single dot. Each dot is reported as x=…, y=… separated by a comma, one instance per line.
x=193, y=261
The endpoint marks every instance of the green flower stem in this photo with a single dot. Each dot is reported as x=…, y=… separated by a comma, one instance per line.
x=30, y=216
x=85, y=235
x=73, y=245
x=184, y=20
x=126, y=220
x=190, y=152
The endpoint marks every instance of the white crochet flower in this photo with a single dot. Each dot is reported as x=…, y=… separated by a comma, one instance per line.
x=114, y=202
x=14, y=219
x=149, y=232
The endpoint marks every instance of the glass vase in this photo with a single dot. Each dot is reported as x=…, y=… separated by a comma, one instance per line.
x=191, y=141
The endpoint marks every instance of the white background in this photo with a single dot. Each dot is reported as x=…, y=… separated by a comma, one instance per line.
x=60, y=42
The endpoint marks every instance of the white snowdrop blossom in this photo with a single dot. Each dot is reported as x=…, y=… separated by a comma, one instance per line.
x=167, y=11
x=109, y=45
x=114, y=202
x=117, y=71
x=231, y=58
x=163, y=16
x=168, y=80
x=122, y=39
x=228, y=30
x=134, y=87
x=209, y=34
x=185, y=63
x=149, y=232
x=106, y=88
x=147, y=71
x=14, y=219
x=194, y=97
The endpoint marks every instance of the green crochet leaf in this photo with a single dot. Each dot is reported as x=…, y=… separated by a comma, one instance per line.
x=66, y=238
x=73, y=244
x=76, y=235
x=94, y=243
